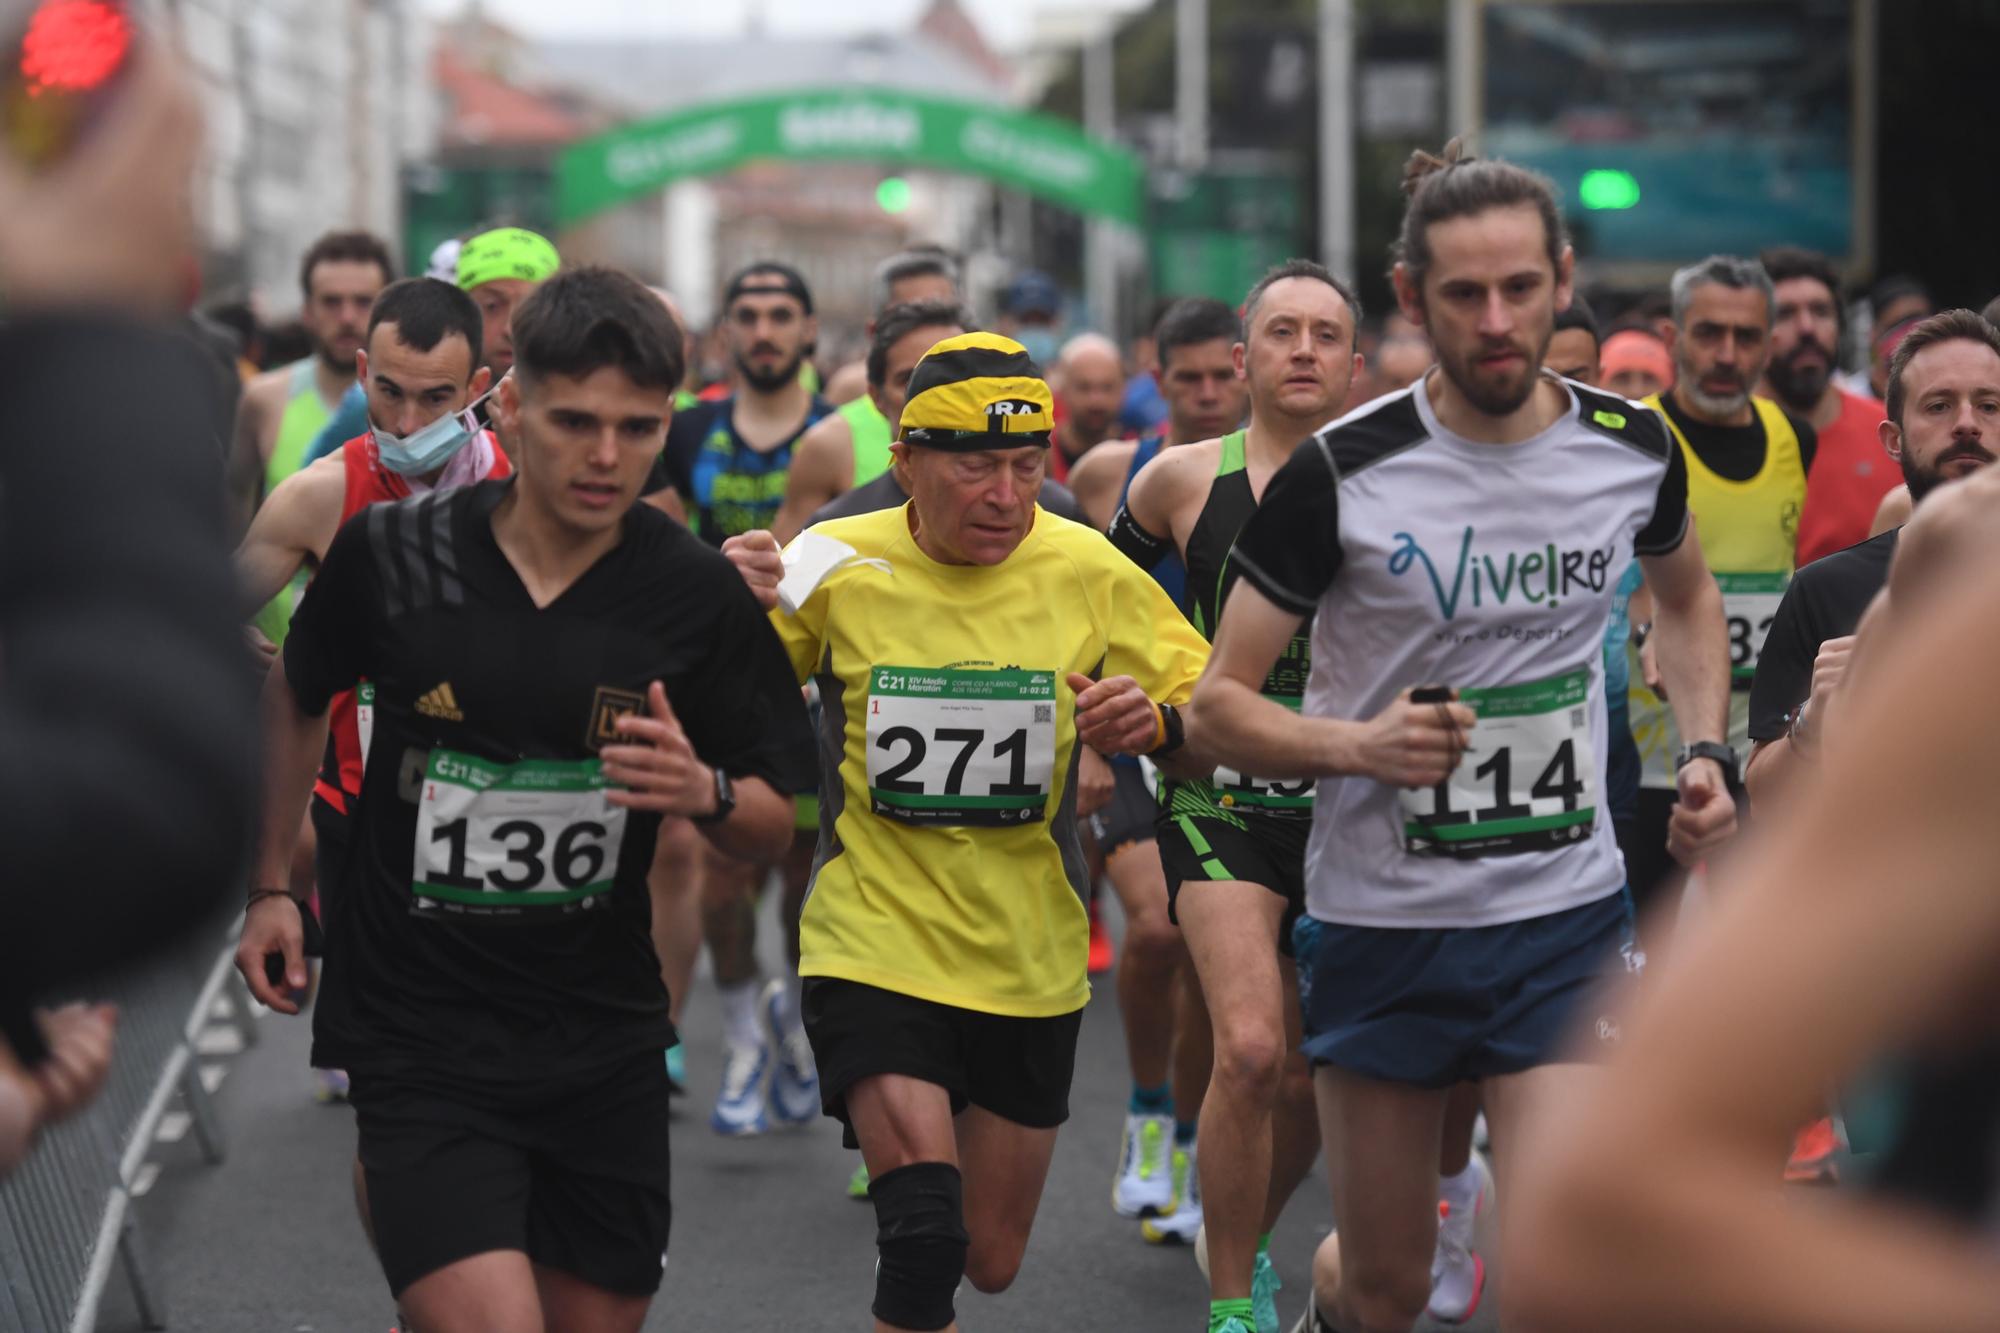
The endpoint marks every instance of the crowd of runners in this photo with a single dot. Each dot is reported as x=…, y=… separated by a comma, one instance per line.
x=1410, y=681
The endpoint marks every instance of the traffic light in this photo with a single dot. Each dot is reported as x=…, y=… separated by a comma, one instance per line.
x=1608, y=188
x=893, y=194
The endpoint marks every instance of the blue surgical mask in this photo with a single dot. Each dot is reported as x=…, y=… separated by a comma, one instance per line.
x=1042, y=344
x=428, y=448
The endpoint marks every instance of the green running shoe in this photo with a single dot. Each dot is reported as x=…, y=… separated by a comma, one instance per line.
x=857, y=1184
x=1264, y=1286
x=677, y=1071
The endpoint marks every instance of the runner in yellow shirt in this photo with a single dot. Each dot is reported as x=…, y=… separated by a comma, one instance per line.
x=964, y=645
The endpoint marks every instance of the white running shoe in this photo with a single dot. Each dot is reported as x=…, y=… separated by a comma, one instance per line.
x=1181, y=1224
x=1458, y=1274
x=1144, y=1185
x=740, y=1108
x=794, y=1089
x=1310, y=1322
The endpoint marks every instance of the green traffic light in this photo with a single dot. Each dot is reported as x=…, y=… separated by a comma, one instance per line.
x=893, y=194
x=1608, y=189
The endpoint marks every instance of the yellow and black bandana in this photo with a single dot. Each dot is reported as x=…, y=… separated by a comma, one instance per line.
x=978, y=391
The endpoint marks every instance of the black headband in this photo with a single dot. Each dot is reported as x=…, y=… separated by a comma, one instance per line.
x=769, y=277
x=974, y=441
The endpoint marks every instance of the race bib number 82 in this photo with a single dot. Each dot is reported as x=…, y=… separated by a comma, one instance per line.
x=503, y=837
x=1749, y=604
x=961, y=747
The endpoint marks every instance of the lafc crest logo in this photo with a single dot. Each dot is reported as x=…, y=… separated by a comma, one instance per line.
x=605, y=709
x=1002, y=411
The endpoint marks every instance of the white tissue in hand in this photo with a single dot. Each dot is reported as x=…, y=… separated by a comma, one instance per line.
x=808, y=560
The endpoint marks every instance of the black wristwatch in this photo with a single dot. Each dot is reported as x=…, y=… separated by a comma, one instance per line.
x=725, y=800
x=1176, y=731
x=1720, y=753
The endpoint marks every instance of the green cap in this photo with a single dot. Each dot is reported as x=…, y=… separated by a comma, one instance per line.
x=506, y=252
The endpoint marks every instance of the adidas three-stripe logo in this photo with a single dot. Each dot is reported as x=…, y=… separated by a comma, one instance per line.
x=440, y=703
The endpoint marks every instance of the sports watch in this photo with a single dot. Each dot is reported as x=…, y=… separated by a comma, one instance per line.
x=725, y=800
x=1720, y=753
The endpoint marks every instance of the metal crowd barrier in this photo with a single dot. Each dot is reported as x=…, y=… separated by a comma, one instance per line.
x=65, y=1215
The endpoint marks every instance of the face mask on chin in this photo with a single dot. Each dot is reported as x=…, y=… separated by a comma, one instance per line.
x=427, y=448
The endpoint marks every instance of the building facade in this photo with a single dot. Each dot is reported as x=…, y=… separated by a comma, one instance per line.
x=313, y=109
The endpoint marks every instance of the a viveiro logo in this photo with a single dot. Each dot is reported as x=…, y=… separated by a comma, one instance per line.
x=1542, y=576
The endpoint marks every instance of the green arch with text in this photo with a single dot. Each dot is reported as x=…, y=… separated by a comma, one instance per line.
x=1039, y=154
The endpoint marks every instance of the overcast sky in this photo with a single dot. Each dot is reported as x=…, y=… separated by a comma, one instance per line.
x=1006, y=23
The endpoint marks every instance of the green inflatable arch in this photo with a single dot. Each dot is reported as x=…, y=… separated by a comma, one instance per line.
x=1029, y=151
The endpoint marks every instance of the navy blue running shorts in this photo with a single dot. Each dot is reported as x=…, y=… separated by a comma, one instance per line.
x=1432, y=1008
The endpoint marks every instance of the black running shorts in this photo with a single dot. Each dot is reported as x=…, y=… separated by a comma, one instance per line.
x=1017, y=1068
x=573, y=1175
x=1128, y=819
x=1201, y=842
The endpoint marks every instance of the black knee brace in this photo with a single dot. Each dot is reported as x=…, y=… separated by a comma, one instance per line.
x=920, y=1235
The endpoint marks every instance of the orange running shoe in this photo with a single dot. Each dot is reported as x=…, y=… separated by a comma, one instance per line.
x=1102, y=956
x=1813, y=1153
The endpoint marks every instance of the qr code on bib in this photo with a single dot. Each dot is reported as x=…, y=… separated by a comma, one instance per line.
x=1576, y=717
x=1044, y=713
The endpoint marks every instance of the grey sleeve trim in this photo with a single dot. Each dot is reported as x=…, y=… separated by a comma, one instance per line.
x=1669, y=547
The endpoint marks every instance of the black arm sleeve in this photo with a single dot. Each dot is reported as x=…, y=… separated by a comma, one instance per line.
x=741, y=705
x=1141, y=547
x=1784, y=667
x=127, y=703
x=1667, y=528
x=1290, y=548
x=335, y=627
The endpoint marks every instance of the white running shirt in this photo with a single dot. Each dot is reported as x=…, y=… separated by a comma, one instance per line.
x=1428, y=559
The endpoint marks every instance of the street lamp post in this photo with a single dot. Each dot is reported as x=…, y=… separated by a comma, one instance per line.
x=1336, y=136
x=1100, y=256
x=1191, y=84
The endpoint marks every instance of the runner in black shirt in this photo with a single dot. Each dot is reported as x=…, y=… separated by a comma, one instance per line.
x=1944, y=424
x=490, y=983
x=1825, y=601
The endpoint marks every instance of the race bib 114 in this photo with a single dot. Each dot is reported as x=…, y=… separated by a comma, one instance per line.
x=1528, y=781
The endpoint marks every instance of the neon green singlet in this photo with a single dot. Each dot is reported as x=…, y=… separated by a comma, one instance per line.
x=871, y=438
x=306, y=414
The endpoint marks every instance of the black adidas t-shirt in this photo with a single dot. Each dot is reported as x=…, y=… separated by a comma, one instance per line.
x=492, y=926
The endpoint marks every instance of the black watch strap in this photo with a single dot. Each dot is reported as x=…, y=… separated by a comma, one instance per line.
x=1716, y=750
x=725, y=800
x=1176, y=730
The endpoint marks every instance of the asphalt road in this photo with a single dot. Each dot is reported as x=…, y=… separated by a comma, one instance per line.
x=764, y=1235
